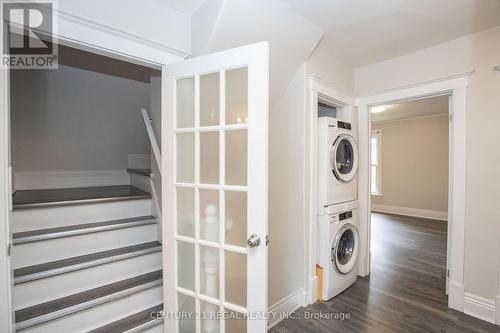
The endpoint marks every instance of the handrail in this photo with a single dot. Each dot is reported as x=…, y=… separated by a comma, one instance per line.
x=152, y=138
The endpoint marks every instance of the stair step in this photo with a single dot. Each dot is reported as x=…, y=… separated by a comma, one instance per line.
x=79, y=229
x=56, y=286
x=49, y=311
x=141, y=172
x=40, y=271
x=66, y=215
x=140, y=320
x=69, y=196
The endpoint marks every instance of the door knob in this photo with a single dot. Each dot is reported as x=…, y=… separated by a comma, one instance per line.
x=253, y=241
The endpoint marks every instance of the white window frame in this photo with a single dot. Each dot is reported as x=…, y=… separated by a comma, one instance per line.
x=378, y=191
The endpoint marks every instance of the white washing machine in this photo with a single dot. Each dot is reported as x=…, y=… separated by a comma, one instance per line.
x=338, y=247
x=337, y=163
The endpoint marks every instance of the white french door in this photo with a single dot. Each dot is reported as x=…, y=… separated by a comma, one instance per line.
x=214, y=169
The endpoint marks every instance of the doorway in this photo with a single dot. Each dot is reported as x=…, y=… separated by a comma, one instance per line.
x=456, y=88
x=409, y=198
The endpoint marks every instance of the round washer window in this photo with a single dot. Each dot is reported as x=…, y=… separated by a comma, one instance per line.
x=344, y=157
x=345, y=247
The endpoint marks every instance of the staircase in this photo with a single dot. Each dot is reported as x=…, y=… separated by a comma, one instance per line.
x=86, y=260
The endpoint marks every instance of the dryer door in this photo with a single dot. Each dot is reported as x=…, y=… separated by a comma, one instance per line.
x=344, y=158
x=345, y=248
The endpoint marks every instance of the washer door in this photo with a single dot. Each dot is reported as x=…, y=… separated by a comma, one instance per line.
x=344, y=158
x=345, y=248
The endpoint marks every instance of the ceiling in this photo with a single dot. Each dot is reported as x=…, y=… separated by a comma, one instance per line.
x=418, y=108
x=184, y=6
x=361, y=32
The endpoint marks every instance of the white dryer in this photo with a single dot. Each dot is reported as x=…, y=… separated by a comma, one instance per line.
x=337, y=163
x=338, y=247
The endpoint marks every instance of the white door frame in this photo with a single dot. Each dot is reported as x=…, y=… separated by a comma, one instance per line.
x=497, y=306
x=85, y=35
x=456, y=87
x=6, y=313
x=318, y=89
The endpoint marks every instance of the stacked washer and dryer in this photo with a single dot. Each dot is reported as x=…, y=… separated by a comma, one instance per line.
x=338, y=208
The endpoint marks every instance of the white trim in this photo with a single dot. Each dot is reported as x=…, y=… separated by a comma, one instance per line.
x=498, y=293
x=284, y=307
x=313, y=287
x=328, y=88
x=378, y=134
x=414, y=212
x=456, y=87
x=318, y=89
x=479, y=307
x=6, y=312
x=84, y=22
x=498, y=310
x=76, y=31
x=456, y=292
x=419, y=84
x=410, y=118
x=30, y=180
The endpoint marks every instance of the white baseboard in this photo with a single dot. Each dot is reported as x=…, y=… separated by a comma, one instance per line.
x=313, y=287
x=67, y=179
x=480, y=307
x=456, y=294
x=362, y=266
x=414, y=212
x=281, y=309
x=497, y=308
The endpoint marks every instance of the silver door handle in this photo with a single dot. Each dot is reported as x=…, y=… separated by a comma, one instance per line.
x=253, y=241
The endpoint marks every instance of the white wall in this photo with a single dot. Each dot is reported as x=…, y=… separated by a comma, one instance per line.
x=481, y=52
x=286, y=192
x=75, y=120
x=148, y=19
x=414, y=164
x=324, y=65
x=228, y=24
x=288, y=175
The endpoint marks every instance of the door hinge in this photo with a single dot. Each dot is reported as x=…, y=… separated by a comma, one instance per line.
x=9, y=248
x=267, y=240
x=447, y=273
x=451, y=117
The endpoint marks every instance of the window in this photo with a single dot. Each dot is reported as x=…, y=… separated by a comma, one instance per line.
x=376, y=163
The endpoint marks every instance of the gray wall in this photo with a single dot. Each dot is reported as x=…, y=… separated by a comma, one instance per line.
x=75, y=120
x=414, y=163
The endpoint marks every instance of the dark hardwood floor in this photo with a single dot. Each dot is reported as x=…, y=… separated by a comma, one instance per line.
x=405, y=291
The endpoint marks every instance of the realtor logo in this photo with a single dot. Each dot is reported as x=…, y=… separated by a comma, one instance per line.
x=28, y=41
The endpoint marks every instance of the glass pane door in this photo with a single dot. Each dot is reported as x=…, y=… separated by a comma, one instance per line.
x=214, y=286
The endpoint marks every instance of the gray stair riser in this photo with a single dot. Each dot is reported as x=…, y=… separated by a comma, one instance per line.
x=41, y=252
x=92, y=317
x=42, y=290
x=50, y=217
